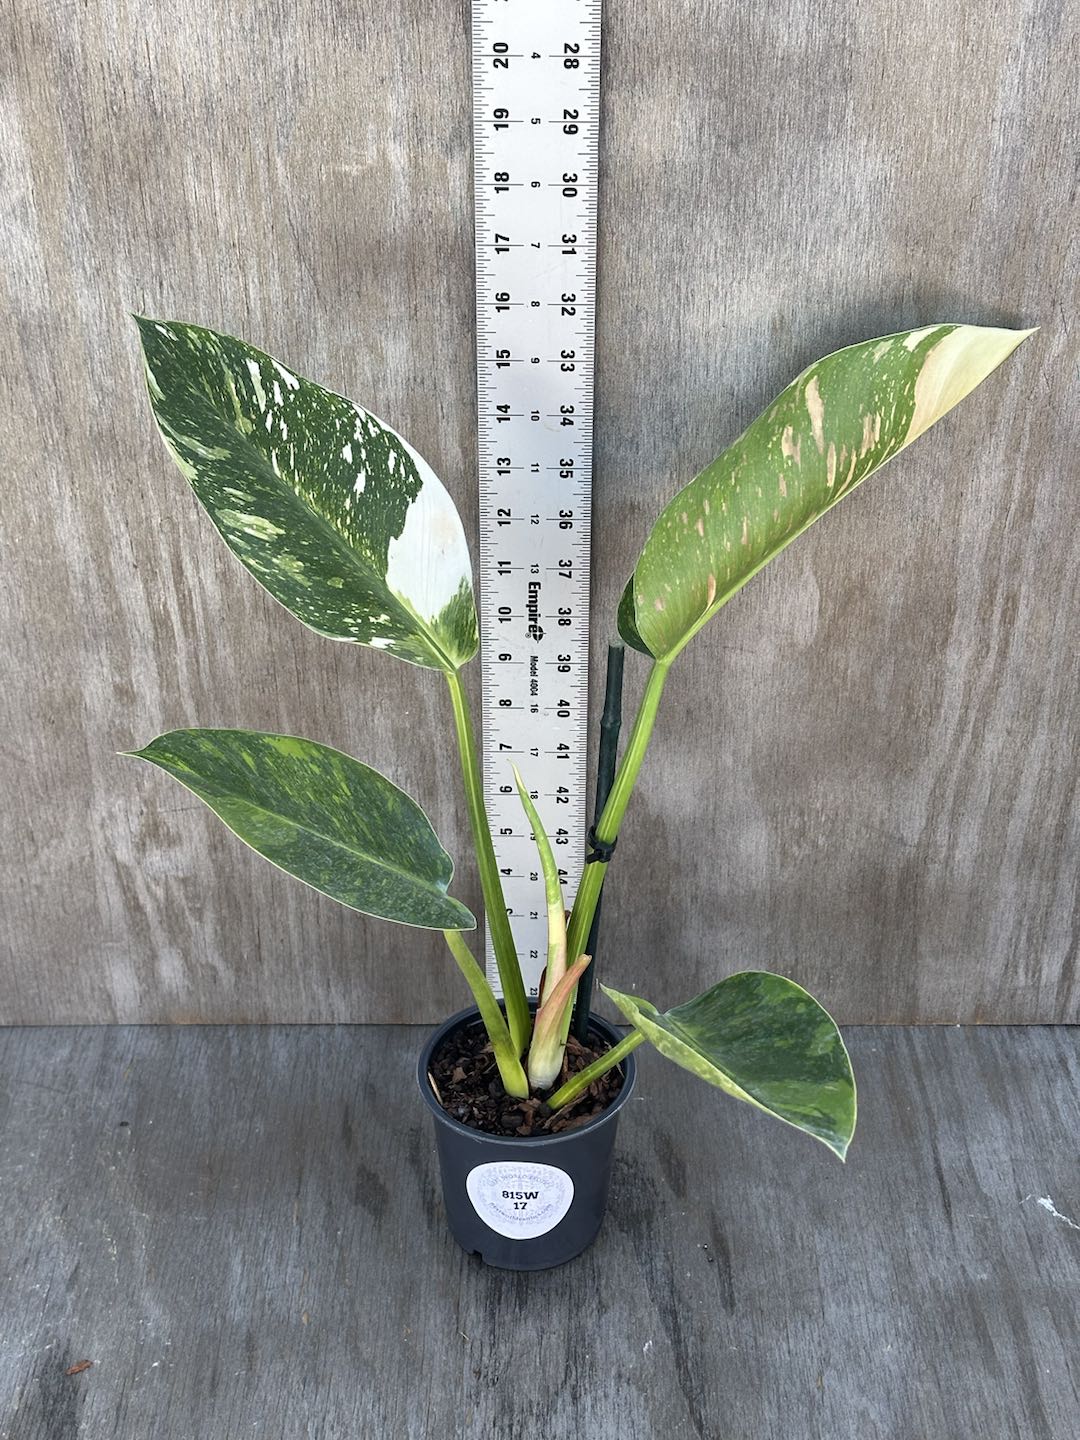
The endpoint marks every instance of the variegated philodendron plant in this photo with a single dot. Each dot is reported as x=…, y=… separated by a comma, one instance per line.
x=345, y=524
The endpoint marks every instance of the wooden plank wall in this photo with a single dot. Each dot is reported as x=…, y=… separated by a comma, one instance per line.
x=865, y=774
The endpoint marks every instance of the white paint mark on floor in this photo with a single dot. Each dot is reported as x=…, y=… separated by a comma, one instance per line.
x=1051, y=1209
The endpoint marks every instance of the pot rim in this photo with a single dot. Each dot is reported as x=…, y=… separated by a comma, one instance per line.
x=533, y=1142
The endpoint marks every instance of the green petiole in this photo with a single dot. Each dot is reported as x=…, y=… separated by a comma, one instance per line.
x=515, y=1081
x=579, y=1083
x=513, y=988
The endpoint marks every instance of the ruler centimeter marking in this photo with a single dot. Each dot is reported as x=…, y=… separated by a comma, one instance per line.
x=536, y=112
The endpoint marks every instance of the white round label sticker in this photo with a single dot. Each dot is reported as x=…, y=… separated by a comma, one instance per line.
x=520, y=1199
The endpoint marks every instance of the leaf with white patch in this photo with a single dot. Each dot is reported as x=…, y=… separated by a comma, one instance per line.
x=327, y=506
x=762, y=1039
x=839, y=421
x=335, y=824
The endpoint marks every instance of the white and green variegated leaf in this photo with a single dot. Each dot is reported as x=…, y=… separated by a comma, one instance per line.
x=833, y=426
x=762, y=1039
x=327, y=506
x=334, y=823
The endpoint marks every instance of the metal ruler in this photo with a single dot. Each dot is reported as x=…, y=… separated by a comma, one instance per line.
x=536, y=94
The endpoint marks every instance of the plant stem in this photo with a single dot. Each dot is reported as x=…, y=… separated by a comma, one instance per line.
x=502, y=939
x=513, y=1075
x=579, y=1083
x=610, y=724
x=607, y=827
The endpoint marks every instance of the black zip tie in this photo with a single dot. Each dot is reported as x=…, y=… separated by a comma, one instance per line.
x=600, y=851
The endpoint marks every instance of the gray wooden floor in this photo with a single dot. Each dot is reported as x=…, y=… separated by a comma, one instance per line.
x=240, y=1228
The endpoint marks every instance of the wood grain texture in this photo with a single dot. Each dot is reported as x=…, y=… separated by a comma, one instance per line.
x=241, y=1229
x=865, y=771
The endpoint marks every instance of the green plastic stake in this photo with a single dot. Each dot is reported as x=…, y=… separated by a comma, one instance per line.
x=610, y=725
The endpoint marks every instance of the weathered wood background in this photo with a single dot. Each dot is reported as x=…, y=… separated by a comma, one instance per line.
x=865, y=775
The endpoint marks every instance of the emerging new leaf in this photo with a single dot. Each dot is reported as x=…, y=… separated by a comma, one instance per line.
x=325, y=505
x=339, y=826
x=839, y=421
x=762, y=1039
x=548, y=1044
x=556, y=905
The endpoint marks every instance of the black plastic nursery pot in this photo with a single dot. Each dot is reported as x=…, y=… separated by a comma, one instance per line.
x=529, y=1202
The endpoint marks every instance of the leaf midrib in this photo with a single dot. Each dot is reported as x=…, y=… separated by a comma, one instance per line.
x=678, y=1032
x=340, y=844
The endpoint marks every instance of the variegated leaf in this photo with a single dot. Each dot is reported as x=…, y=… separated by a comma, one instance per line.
x=765, y=1040
x=839, y=421
x=325, y=505
x=339, y=826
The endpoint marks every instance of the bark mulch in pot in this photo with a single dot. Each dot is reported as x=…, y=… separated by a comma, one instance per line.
x=467, y=1085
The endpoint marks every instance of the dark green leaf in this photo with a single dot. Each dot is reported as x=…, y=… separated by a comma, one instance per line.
x=762, y=1039
x=339, y=826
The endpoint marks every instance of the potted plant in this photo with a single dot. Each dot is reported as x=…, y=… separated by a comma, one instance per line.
x=348, y=527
